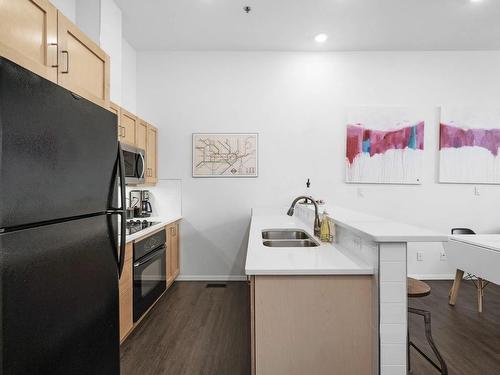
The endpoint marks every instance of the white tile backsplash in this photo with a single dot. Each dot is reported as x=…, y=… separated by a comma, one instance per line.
x=393, y=333
x=392, y=313
x=392, y=271
x=392, y=355
x=394, y=370
x=392, y=291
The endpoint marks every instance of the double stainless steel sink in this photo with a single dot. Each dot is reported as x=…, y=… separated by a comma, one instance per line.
x=287, y=238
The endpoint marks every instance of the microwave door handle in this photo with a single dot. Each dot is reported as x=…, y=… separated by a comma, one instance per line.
x=143, y=164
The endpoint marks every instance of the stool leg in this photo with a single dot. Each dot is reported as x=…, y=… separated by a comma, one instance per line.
x=430, y=340
x=456, y=285
x=480, y=286
x=408, y=347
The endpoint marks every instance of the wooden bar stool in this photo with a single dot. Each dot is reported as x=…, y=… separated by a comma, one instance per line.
x=418, y=289
x=479, y=283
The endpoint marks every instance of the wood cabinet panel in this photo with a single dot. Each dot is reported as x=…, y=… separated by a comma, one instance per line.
x=175, y=252
x=126, y=293
x=128, y=122
x=313, y=324
x=152, y=155
x=141, y=134
x=28, y=35
x=173, y=258
x=83, y=66
x=116, y=110
x=126, y=318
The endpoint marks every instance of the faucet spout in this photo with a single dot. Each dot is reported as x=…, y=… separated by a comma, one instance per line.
x=316, y=213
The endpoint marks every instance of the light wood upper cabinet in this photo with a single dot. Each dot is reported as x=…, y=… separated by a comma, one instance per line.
x=128, y=123
x=28, y=35
x=83, y=66
x=116, y=110
x=152, y=155
x=141, y=134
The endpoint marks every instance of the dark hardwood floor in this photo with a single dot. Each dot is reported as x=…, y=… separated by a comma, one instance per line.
x=197, y=330
x=192, y=330
x=468, y=341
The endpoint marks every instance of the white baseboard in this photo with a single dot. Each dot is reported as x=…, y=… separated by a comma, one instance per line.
x=211, y=278
x=431, y=276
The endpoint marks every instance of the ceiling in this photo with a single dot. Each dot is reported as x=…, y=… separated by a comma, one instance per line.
x=292, y=24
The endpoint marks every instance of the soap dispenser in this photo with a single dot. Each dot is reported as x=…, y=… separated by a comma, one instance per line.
x=325, y=231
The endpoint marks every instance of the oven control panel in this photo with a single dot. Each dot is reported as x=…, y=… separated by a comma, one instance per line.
x=149, y=244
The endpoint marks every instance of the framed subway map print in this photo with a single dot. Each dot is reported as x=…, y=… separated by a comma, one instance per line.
x=225, y=155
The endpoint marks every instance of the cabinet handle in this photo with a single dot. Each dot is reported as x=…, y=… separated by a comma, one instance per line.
x=122, y=131
x=56, y=64
x=67, y=62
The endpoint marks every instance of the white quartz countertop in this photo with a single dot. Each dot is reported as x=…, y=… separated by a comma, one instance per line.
x=379, y=229
x=162, y=221
x=325, y=259
x=488, y=241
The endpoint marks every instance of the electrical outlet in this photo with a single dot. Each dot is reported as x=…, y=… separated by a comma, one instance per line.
x=361, y=193
x=420, y=256
x=442, y=256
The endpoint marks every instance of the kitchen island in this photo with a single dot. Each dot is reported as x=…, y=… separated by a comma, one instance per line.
x=338, y=308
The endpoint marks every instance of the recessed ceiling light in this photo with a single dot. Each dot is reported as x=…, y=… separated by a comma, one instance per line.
x=321, y=38
x=476, y=1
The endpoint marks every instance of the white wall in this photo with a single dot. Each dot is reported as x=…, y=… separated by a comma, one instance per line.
x=129, y=77
x=111, y=42
x=296, y=101
x=67, y=7
x=88, y=18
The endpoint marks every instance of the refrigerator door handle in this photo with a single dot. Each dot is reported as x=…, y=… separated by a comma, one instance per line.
x=121, y=211
x=123, y=233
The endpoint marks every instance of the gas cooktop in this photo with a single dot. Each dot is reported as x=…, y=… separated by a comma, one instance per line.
x=134, y=226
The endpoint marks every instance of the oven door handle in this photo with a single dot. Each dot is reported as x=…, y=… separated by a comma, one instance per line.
x=150, y=257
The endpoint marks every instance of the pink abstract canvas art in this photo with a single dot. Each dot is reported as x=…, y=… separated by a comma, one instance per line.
x=385, y=146
x=469, y=142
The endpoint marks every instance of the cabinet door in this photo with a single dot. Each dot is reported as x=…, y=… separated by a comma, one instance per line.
x=116, y=110
x=128, y=123
x=175, y=250
x=126, y=296
x=170, y=274
x=152, y=155
x=141, y=133
x=28, y=35
x=83, y=66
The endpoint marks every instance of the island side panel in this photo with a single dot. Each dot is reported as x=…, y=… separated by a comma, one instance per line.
x=367, y=251
x=314, y=325
x=393, y=308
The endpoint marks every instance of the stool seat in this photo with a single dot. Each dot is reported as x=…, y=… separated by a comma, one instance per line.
x=417, y=288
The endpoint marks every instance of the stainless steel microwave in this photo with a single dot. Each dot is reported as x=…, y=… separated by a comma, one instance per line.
x=134, y=164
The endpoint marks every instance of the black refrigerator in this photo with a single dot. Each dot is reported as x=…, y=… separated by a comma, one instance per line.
x=60, y=203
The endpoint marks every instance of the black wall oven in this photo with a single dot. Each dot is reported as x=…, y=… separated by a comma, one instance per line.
x=150, y=272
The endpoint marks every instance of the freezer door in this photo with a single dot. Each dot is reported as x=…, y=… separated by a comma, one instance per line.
x=59, y=300
x=57, y=151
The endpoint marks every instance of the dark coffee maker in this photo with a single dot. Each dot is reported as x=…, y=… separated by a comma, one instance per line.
x=147, y=210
